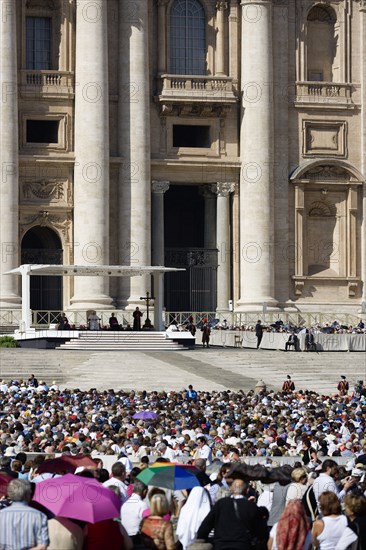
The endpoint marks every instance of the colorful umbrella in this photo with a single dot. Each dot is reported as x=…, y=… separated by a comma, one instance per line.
x=66, y=464
x=169, y=475
x=145, y=415
x=4, y=482
x=78, y=497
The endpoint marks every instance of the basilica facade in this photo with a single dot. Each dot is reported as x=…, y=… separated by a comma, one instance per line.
x=227, y=138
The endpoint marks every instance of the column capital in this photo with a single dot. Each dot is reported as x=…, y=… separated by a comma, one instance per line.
x=363, y=5
x=223, y=189
x=221, y=5
x=206, y=192
x=158, y=186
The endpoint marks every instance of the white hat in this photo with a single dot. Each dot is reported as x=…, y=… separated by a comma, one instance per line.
x=356, y=472
x=10, y=451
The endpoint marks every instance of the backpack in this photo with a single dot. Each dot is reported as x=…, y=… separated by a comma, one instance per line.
x=310, y=504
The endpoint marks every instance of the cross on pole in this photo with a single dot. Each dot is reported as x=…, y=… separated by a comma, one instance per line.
x=147, y=299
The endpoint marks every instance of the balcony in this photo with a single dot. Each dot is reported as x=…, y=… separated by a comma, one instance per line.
x=195, y=95
x=324, y=94
x=46, y=84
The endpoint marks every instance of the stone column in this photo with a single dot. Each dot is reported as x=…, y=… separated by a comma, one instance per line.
x=162, y=42
x=221, y=6
x=9, y=189
x=223, y=245
x=91, y=175
x=134, y=148
x=256, y=139
x=363, y=146
x=158, y=189
x=209, y=238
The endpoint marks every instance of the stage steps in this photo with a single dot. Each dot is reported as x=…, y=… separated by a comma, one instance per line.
x=121, y=340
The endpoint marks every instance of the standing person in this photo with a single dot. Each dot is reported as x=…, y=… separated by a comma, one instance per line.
x=292, y=532
x=259, y=332
x=93, y=321
x=191, y=394
x=22, y=527
x=206, y=331
x=137, y=319
x=326, y=481
x=355, y=509
x=288, y=386
x=328, y=530
x=32, y=381
x=235, y=520
x=132, y=511
x=203, y=450
x=191, y=516
x=157, y=532
x=343, y=386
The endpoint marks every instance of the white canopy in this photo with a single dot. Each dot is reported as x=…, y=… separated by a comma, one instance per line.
x=27, y=270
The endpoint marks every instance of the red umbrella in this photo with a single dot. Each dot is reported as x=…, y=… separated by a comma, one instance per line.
x=4, y=482
x=78, y=497
x=66, y=464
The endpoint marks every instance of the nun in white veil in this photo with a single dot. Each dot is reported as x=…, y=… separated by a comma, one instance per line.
x=192, y=514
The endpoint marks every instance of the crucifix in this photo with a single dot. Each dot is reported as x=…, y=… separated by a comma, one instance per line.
x=147, y=299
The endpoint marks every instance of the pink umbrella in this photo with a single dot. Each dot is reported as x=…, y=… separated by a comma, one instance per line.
x=78, y=497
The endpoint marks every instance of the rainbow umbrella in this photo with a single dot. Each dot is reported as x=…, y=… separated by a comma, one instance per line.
x=170, y=476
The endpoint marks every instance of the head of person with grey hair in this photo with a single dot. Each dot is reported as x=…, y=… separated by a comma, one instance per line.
x=139, y=488
x=19, y=490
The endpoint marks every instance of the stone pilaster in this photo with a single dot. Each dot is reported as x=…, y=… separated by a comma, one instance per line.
x=158, y=189
x=91, y=176
x=256, y=138
x=162, y=41
x=223, y=191
x=9, y=189
x=134, y=148
x=221, y=6
x=363, y=144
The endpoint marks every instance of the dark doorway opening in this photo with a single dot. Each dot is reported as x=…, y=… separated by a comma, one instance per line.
x=195, y=288
x=41, y=245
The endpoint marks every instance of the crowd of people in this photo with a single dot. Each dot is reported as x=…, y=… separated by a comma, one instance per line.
x=214, y=431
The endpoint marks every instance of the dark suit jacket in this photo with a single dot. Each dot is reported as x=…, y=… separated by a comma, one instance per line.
x=233, y=531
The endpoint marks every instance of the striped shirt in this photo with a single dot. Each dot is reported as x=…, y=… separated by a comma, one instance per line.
x=22, y=527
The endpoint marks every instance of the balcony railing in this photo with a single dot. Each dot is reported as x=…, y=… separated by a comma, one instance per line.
x=47, y=83
x=197, y=88
x=331, y=93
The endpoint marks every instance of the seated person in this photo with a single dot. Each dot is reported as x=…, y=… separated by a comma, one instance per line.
x=310, y=344
x=113, y=322
x=293, y=341
x=63, y=323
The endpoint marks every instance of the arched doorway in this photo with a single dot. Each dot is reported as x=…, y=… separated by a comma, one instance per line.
x=41, y=245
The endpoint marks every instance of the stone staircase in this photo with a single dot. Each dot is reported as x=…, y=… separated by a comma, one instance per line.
x=121, y=341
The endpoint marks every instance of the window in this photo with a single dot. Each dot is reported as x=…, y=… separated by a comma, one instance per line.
x=322, y=40
x=39, y=43
x=187, y=38
x=42, y=131
x=191, y=136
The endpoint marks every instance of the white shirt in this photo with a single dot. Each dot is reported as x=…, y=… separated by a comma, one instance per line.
x=204, y=452
x=118, y=483
x=131, y=514
x=326, y=483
